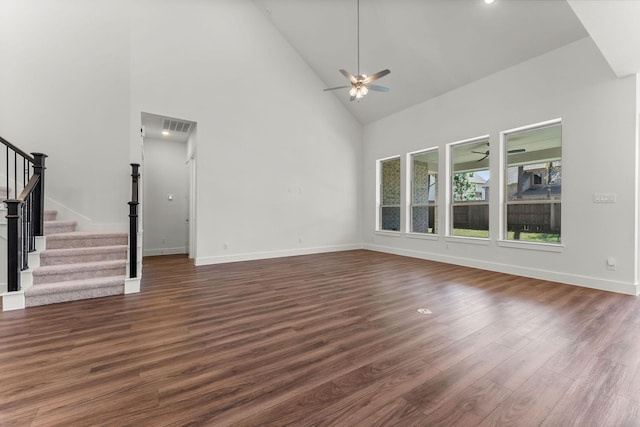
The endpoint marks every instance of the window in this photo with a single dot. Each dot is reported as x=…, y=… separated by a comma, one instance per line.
x=389, y=196
x=424, y=192
x=470, y=189
x=534, y=184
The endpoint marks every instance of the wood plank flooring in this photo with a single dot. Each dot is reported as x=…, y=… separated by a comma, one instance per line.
x=325, y=340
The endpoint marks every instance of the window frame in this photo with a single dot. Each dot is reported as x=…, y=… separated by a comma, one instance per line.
x=503, y=240
x=410, y=185
x=379, y=195
x=451, y=203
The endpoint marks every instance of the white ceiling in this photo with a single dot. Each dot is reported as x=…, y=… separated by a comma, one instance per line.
x=153, y=127
x=614, y=25
x=430, y=46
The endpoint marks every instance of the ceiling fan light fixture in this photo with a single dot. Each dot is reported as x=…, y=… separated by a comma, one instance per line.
x=359, y=82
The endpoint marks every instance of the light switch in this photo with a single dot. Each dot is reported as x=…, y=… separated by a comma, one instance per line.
x=604, y=197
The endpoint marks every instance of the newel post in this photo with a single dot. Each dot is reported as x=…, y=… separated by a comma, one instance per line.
x=14, y=243
x=38, y=194
x=133, y=222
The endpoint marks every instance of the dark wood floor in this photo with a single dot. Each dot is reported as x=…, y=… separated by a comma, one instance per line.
x=328, y=339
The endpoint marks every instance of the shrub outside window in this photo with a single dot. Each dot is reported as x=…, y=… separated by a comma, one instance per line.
x=470, y=187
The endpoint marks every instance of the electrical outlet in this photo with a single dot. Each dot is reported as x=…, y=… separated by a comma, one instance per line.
x=611, y=263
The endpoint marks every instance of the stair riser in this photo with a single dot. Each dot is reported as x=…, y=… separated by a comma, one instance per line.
x=77, y=275
x=56, y=229
x=77, y=259
x=53, y=243
x=73, y=296
x=50, y=216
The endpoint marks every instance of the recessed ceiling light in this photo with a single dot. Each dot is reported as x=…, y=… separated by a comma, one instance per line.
x=489, y=1
x=165, y=132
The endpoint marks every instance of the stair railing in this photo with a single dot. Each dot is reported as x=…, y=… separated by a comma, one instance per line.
x=25, y=212
x=133, y=222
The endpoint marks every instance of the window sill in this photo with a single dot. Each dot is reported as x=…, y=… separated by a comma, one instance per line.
x=532, y=246
x=388, y=233
x=471, y=240
x=423, y=236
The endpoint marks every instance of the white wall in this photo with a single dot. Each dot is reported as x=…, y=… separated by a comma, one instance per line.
x=165, y=172
x=278, y=160
x=599, y=151
x=280, y=167
x=65, y=92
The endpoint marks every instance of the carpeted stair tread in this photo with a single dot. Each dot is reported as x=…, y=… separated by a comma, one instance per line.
x=82, y=255
x=72, y=285
x=79, y=239
x=77, y=265
x=57, y=227
x=57, y=221
x=51, y=293
x=70, y=272
x=50, y=215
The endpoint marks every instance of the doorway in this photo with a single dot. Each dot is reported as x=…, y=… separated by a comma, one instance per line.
x=168, y=185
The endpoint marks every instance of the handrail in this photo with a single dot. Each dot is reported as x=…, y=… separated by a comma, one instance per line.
x=25, y=214
x=16, y=149
x=31, y=185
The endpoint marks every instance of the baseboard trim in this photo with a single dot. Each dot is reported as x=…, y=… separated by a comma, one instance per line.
x=165, y=251
x=132, y=285
x=273, y=254
x=569, y=279
x=13, y=301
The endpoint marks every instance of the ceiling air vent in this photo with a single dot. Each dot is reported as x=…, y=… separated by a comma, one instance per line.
x=174, y=125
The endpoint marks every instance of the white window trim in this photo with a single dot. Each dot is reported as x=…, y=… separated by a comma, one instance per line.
x=422, y=236
x=409, y=191
x=502, y=240
x=448, y=220
x=484, y=241
x=378, y=218
x=534, y=246
x=390, y=233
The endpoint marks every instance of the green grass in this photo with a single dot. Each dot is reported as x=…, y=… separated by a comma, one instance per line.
x=464, y=232
x=524, y=237
x=535, y=237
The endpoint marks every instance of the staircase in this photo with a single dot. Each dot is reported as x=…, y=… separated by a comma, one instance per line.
x=77, y=264
x=73, y=265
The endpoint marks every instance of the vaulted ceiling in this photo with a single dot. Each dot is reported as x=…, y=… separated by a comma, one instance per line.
x=430, y=46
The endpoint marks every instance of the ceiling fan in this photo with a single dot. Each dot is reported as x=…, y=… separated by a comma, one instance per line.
x=486, y=153
x=360, y=83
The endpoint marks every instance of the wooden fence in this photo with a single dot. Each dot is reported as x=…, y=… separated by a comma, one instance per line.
x=534, y=217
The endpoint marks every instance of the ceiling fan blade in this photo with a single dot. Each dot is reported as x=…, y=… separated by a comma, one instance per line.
x=336, y=88
x=376, y=76
x=378, y=88
x=517, y=150
x=352, y=98
x=350, y=76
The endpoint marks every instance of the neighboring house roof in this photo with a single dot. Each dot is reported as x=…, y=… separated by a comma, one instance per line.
x=543, y=191
x=477, y=179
